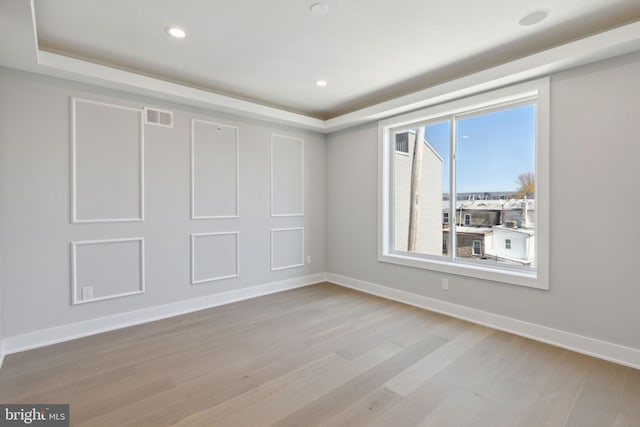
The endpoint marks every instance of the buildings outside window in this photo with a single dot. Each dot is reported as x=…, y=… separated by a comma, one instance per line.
x=482, y=159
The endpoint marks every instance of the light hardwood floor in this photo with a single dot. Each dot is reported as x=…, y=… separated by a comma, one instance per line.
x=321, y=356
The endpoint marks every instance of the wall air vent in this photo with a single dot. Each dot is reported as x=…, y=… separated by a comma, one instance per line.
x=153, y=116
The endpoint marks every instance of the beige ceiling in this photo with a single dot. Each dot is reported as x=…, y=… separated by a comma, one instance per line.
x=272, y=51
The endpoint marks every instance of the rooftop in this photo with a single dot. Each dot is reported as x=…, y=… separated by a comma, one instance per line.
x=471, y=230
x=528, y=231
x=492, y=205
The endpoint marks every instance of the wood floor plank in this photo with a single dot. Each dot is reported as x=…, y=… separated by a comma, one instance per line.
x=432, y=325
x=456, y=410
x=387, y=330
x=630, y=402
x=220, y=386
x=338, y=399
x=475, y=371
x=513, y=392
x=321, y=355
x=123, y=353
x=363, y=411
x=267, y=404
x=625, y=420
x=409, y=380
x=552, y=404
x=599, y=398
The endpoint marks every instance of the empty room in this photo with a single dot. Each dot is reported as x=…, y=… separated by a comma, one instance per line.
x=319, y=213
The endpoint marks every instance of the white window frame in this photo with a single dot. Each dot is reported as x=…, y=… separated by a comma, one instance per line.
x=507, y=243
x=499, y=99
x=473, y=247
x=466, y=220
x=445, y=217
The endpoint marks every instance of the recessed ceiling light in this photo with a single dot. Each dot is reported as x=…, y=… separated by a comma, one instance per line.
x=319, y=8
x=534, y=17
x=321, y=83
x=176, y=32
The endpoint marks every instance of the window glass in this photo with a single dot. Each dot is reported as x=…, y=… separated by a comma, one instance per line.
x=464, y=186
x=421, y=182
x=496, y=157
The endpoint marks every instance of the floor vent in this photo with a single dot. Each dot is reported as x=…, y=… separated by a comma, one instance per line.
x=153, y=116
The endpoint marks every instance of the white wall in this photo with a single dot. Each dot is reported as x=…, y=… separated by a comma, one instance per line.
x=35, y=138
x=594, y=152
x=595, y=149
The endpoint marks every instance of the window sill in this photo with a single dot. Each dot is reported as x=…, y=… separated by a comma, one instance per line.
x=530, y=279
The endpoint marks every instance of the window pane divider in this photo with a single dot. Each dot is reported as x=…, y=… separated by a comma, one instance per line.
x=453, y=241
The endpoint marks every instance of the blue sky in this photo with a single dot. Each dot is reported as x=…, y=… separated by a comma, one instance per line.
x=493, y=149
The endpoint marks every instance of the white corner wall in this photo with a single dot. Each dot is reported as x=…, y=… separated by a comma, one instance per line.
x=594, y=285
x=36, y=228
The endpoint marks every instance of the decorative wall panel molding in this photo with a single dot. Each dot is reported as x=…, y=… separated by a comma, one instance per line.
x=287, y=176
x=107, y=149
x=214, y=256
x=215, y=171
x=105, y=269
x=287, y=248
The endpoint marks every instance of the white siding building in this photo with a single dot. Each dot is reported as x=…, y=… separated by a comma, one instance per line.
x=429, y=239
x=513, y=244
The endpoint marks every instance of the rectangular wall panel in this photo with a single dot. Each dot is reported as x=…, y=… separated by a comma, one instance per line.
x=287, y=176
x=108, y=162
x=113, y=268
x=214, y=256
x=287, y=248
x=214, y=170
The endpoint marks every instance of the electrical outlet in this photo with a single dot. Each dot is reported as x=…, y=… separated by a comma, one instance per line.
x=87, y=292
x=308, y=259
x=445, y=284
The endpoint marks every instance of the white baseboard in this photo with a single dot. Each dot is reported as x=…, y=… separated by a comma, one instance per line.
x=85, y=328
x=590, y=346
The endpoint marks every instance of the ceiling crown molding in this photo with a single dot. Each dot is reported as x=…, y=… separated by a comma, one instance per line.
x=20, y=50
